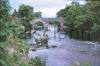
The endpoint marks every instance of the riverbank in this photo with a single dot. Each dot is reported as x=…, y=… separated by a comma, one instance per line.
x=67, y=51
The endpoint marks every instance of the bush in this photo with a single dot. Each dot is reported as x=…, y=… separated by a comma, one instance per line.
x=3, y=63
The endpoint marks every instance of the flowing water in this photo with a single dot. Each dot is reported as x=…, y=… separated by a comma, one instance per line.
x=66, y=52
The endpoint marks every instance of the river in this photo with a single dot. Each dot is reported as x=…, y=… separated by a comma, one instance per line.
x=66, y=52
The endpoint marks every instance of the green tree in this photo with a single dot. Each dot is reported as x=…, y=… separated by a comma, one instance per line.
x=63, y=12
x=7, y=29
x=4, y=18
x=25, y=13
x=93, y=6
x=83, y=17
x=37, y=14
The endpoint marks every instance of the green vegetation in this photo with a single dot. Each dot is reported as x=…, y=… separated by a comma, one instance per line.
x=37, y=14
x=13, y=50
x=9, y=31
x=39, y=25
x=37, y=62
x=26, y=14
x=4, y=13
x=82, y=21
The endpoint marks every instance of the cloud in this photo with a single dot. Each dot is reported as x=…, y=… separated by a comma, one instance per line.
x=41, y=1
x=49, y=8
x=49, y=12
x=44, y=3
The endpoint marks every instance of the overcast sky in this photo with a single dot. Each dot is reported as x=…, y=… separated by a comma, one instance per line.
x=49, y=8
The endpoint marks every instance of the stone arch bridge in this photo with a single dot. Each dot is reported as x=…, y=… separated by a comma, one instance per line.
x=46, y=21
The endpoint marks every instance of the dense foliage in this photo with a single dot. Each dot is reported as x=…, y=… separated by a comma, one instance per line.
x=13, y=50
x=9, y=31
x=82, y=21
x=37, y=14
x=25, y=11
x=4, y=13
x=26, y=14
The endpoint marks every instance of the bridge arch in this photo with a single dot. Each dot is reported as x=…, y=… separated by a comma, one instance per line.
x=40, y=21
